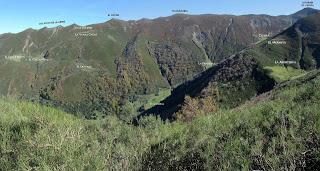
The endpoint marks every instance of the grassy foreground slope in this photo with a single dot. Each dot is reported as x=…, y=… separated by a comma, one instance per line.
x=279, y=130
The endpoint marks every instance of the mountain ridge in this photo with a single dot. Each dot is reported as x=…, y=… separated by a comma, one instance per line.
x=304, y=11
x=136, y=58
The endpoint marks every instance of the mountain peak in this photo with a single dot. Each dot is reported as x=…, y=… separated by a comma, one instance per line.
x=305, y=12
x=74, y=25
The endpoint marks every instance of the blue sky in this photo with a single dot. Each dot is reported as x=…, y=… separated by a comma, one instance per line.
x=18, y=15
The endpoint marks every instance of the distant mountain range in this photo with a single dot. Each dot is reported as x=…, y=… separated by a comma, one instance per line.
x=98, y=68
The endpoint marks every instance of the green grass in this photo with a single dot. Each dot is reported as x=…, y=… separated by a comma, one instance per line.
x=149, y=64
x=277, y=133
x=34, y=136
x=281, y=74
x=14, y=111
x=145, y=101
x=155, y=99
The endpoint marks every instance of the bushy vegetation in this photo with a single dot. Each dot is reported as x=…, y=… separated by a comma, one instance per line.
x=277, y=132
x=195, y=107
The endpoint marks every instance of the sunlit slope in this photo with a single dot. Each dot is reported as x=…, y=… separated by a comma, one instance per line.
x=252, y=71
x=298, y=44
x=100, y=67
